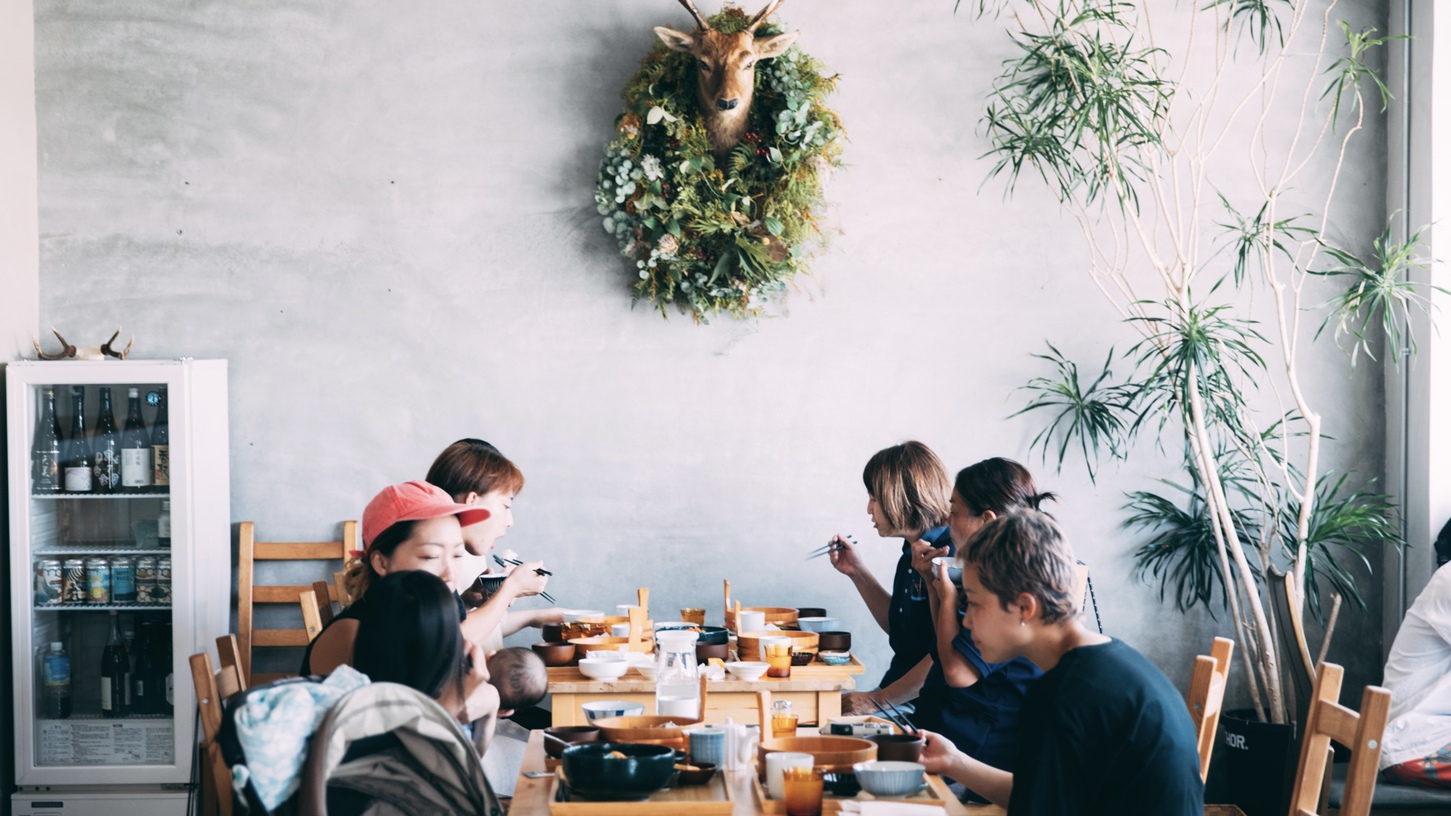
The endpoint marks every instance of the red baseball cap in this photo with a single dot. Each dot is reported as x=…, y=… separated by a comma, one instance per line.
x=414, y=501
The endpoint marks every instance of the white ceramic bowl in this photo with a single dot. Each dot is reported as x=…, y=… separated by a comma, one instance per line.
x=597, y=669
x=819, y=624
x=600, y=709
x=890, y=778
x=646, y=670
x=575, y=614
x=747, y=669
x=605, y=654
x=954, y=572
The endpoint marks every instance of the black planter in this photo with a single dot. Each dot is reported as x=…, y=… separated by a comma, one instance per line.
x=1253, y=765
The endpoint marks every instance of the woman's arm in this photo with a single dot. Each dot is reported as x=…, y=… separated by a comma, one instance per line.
x=535, y=618
x=333, y=647
x=958, y=672
x=941, y=757
x=522, y=581
x=848, y=562
x=903, y=689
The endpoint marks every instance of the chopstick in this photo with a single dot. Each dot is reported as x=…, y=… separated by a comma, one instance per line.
x=516, y=562
x=897, y=719
x=828, y=549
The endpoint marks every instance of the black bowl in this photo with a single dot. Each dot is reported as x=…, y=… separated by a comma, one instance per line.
x=811, y=612
x=706, y=635
x=591, y=772
x=841, y=784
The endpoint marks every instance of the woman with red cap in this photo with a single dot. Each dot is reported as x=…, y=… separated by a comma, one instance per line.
x=409, y=526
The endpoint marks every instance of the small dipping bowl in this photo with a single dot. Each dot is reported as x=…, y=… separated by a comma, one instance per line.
x=747, y=669
x=898, y=747
x=554, y=654
x=802, y=658
x=601, y=709
x=558, y=738
x=954, y=572
x=842, y=784
x=597, y=669
x=698, y=773
x=835, y=658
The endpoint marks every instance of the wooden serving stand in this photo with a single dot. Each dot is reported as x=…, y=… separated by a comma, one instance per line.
x=936, y=793
x=714, y=797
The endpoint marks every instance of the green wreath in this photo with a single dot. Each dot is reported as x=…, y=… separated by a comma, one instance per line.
x=715, y=235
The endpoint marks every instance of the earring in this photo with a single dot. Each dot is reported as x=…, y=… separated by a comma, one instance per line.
x=1023, y=623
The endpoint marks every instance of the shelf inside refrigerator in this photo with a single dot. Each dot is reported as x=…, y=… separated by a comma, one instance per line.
x=108, y=546
x=95, y=607
x=98, y=496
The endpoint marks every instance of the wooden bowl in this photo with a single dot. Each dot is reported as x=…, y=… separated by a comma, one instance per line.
x=558, y=738
x=648, y=730
x=831, y=754
x=779, y=615
x=705, y=651
x=603, y=642
x=748, y=644
x=554, y=654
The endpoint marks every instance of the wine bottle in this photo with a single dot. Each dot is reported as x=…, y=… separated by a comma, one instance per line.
x=78, y=461
x=47, y=446
x=107, y=452
x=135, y=447
x=115, y=673
x=146, y=691
x=163, y=524
x=160, y=442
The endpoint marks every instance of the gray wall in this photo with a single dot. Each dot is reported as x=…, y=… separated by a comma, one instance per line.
x=382, y=216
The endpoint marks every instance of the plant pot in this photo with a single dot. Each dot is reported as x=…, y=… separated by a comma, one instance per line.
x=1254, y=764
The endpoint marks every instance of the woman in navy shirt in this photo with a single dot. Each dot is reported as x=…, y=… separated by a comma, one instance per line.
x=966, y=698
x=907, y=496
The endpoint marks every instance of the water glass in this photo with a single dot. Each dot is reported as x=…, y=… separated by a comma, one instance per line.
x=802, y=788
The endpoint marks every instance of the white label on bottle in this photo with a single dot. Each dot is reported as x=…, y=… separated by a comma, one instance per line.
x=163, y=525
x=105, y=694
x=135, y=467
x=78, y=479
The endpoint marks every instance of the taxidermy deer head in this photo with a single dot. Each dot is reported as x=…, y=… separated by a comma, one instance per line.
x=84, y=352
x=726, y=71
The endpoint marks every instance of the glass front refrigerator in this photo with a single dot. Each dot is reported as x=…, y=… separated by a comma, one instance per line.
x=120, y=554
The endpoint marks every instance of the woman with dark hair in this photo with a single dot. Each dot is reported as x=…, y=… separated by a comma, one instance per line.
x=969, y=700
x=907, y=497
x=408, y=633
x=1103, y=731
x=476, y=474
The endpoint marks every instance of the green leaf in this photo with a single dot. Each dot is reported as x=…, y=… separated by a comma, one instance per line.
x=774, y=226
x=775, y=155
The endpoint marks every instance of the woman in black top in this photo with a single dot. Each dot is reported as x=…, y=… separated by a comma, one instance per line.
x=1102, y=731
x=907, y=493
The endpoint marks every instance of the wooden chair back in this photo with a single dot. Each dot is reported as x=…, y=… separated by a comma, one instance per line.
x=212, y=687
x=1328, y=720
x=249, y=593
x=1206, y=697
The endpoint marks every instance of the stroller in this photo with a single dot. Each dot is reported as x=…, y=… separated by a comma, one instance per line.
x=382, y=750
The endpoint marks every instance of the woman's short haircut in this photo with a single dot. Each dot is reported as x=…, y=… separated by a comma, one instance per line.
x=998, y=485
x=408, y=633
x=474, y=466
x=910, y=485
x=1025, y=551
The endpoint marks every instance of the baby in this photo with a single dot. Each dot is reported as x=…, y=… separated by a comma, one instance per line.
x=520, y=677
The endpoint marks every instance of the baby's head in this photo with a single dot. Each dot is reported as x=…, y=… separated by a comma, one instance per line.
x=520, y=677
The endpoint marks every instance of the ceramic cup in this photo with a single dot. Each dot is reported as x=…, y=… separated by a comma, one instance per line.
x=779, y=760
x=620, y=629
x=748, y=621
x=707, y=744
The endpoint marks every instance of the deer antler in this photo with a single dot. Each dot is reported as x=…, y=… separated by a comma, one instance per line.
x=66, y=353
x=107, y=350
x=761, y=18
x=699, y=18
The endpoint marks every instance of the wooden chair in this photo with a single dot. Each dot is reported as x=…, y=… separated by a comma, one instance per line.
x=317, y=608
x=212, y=687
x=249, y=593
x=1328, y=720
x=1206, y=697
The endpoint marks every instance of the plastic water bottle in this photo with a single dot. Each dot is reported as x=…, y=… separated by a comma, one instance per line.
x=56, y=674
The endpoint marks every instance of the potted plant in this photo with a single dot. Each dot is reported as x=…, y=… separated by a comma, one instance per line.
x=1129, y=115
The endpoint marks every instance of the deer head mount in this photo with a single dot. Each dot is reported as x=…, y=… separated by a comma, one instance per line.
x=726, y=70
x=71, y=352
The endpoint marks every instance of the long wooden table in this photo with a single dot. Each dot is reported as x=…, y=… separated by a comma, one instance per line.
x=814, y=692
x=531, y=796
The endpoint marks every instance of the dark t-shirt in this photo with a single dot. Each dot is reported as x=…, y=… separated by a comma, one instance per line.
x=980, y=719
x=354, y=611
x=1105, y=732
x=909, y=616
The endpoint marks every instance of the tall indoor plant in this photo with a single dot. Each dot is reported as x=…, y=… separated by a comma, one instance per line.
x=1131, y=133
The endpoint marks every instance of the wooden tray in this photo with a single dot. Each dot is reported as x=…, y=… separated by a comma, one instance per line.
x=714, y=797
x=936, y=793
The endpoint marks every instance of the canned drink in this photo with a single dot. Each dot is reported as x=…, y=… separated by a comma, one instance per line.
x=123, y=579
x=98, y=580
x=145, y=570
x=161, y=594
x=163, y=571
x=145, y=593
x=73, y=582
x=48, y=573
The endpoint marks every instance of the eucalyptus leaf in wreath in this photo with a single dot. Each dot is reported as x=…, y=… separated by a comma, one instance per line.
x=727, y=234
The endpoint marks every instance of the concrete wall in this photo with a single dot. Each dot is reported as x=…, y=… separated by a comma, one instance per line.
x=382, y=215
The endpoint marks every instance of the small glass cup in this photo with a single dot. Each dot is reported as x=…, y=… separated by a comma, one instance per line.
x=783, y=720
x=693, y=614
x=778, y=659
x=803, y=788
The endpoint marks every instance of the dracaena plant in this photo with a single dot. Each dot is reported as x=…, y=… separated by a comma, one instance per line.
x=1130, y=132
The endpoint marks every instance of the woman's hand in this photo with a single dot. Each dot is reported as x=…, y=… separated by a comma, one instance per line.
x=523, y=580
x=946, y=590
x=481, y=699
x=855, y=703
x=939, y=755
x=845, y=557
x=922, y=555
